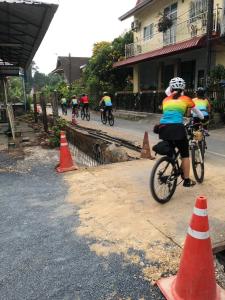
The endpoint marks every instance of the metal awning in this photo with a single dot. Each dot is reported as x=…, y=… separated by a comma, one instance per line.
x=194, y=43
x=23, y=24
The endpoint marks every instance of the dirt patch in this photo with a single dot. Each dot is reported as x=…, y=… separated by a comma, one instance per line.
x=120, y=225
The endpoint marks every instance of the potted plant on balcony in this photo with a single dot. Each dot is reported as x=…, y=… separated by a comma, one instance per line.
x=164, y=23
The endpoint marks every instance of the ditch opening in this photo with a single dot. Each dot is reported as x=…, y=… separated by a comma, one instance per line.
x=94, y=150
x=221, y=258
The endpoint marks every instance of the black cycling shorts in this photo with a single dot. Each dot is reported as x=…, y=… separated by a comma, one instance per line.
x=183, y=147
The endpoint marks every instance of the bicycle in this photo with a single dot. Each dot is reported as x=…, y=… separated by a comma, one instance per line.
x=75, y=111
x=64, y=110
x=85, y=114
x=107, y=117
x=202, y=134
x=167, y=169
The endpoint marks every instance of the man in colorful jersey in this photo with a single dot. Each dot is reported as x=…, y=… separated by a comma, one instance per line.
x=106, y=102
x=84, y=100
x=171, y=127
x=202, y=103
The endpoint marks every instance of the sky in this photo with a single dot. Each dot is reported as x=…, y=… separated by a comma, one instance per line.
x=77, y=25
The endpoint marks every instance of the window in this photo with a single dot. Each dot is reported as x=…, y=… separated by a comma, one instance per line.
x=198, y=9
x=169, y=37
x=148, y=32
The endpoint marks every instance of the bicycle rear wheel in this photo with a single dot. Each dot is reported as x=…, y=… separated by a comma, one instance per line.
x=163, y=180
x=88, y=116
x=103, y=118
x=111, y=120
x=197, y=163
x=82, y=115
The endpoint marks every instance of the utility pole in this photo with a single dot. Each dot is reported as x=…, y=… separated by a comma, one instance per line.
x=55, y=106
x=70, y=75
x=35, y=108
x=44, y=112
x=209, y=39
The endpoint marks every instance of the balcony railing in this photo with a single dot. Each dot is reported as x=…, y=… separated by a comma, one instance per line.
x=178, y=33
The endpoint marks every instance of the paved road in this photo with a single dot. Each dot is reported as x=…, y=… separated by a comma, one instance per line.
x=42, y=257
x=216, y=141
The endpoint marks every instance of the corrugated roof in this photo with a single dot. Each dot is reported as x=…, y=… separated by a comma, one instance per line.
x=140, y=5
x=196, y=42
x=23, y=25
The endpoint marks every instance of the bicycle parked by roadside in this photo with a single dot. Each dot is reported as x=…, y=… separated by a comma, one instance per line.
x=167, y=172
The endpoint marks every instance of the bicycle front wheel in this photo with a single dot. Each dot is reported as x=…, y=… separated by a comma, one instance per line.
x=163, y=180
x=197, y=163
x=202, y=146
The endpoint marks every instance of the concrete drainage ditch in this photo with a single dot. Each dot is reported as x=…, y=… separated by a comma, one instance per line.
x=91, y=150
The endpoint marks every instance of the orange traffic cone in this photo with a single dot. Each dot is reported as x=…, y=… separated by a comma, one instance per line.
x=74, y=121
x=195, y=279
x=145, y=151
x=66, y=162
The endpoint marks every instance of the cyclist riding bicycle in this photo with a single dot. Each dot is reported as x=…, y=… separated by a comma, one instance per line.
x=74, y=103
x=106, y=103
x=171, y=126
x=202, y=103
x=64, y=105
x=84, y=100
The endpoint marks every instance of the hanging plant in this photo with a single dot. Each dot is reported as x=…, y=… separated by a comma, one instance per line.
x=164, y=23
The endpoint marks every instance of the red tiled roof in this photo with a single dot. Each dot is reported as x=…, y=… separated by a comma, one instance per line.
x=196, y=42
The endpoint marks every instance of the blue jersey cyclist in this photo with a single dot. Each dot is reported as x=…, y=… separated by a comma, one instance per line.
x=171, y=127
x=203, y=104
x=106, y=103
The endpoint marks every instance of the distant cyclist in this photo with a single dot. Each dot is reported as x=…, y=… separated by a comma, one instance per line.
x=202, y=103
x=74, y=103
x=171, y=126
x=106, y=103
x=64, y=106
x=84, y=101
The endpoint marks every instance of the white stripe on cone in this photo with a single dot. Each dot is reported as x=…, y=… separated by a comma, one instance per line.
x=200, y=212
x=200, y=235
x=63, y=136
x=64, y=144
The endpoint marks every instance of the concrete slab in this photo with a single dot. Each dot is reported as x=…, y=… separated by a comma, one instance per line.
x=127, y=185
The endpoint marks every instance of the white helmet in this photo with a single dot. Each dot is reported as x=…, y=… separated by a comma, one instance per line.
x=177, y=83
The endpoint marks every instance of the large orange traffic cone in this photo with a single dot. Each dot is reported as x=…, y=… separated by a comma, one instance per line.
x=145, y=151
x=195, y=279
x=74, y=121
x=66, y=162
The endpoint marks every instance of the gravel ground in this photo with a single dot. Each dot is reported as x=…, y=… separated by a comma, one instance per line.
x=41, y=256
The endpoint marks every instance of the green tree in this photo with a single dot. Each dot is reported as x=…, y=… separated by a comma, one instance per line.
x=99, y=74
x=15, y=89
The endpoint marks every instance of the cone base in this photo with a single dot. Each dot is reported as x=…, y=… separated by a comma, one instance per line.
x=166, y=287
x=62, y=170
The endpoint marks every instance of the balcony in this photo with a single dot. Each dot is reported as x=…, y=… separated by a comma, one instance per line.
x=186, y=30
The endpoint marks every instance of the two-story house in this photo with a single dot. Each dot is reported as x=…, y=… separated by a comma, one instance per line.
x=170, y=40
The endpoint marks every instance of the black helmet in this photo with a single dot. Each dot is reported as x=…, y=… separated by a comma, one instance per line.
x=200, y=92
x=222, y=83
